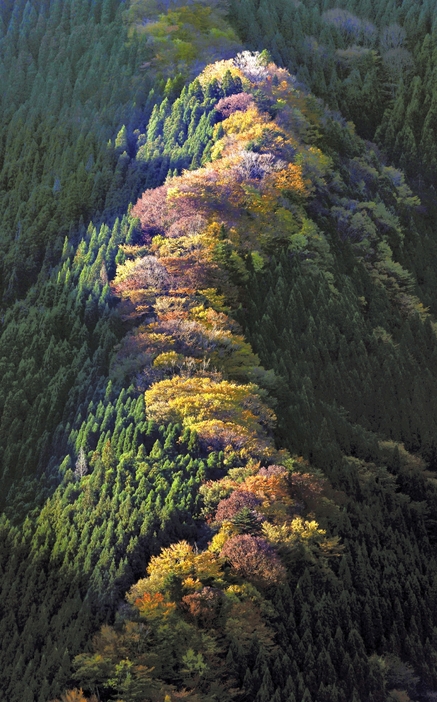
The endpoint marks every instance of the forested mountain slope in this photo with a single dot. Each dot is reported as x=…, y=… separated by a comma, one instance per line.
x=372, y=60
x=71, y=154
x=283, y=512
x=375, y=63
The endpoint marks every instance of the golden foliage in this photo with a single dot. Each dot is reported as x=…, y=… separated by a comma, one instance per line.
x=75, y=695
x=217, y=70
x=167, y=359
x=198, y=399
x=153, y=606
x=227, y=530
x=297, y=529
x=290, y=179
x=178, y=560
x=303, y=533
x=248, y=125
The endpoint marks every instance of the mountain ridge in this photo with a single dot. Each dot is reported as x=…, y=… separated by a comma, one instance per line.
x=256, y=515
x=306, y=253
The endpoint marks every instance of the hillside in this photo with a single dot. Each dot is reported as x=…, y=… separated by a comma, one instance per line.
x=219, y=379
x=374, y=62
x=203, y=236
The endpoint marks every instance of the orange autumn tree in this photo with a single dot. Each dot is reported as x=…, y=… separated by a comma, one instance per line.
x=154, y=606
x=75, y=695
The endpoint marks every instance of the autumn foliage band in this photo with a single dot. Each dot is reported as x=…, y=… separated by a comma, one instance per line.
x=324, y=278
x=177, y=288
x=204, y=611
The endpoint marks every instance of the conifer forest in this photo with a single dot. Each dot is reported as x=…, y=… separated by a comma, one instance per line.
x=218, y=350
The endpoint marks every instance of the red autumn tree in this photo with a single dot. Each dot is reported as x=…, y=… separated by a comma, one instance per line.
x=254, y=558
x=234, y=103
x=238, y=500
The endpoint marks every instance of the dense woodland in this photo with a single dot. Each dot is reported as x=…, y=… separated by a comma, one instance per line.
x=218, y=350
x=374, y=61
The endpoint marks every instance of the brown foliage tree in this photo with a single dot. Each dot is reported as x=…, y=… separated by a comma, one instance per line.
x=254, y=558
x=204, y=605
x=238, y=500
x=307, y=488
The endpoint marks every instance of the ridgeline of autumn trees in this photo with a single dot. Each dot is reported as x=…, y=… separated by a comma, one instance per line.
x=144, y=447
x=202, y=235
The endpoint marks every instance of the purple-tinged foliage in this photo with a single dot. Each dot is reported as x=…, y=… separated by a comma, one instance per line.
x=349, y=24
x=238, y=102
x=238, y=500
x=254, y=558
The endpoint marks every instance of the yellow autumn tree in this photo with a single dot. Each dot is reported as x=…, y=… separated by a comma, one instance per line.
x=218, y=70
x=179, y=560
x=302, y=536
x=290, y=179
x=190, y=401
x=75, y=695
